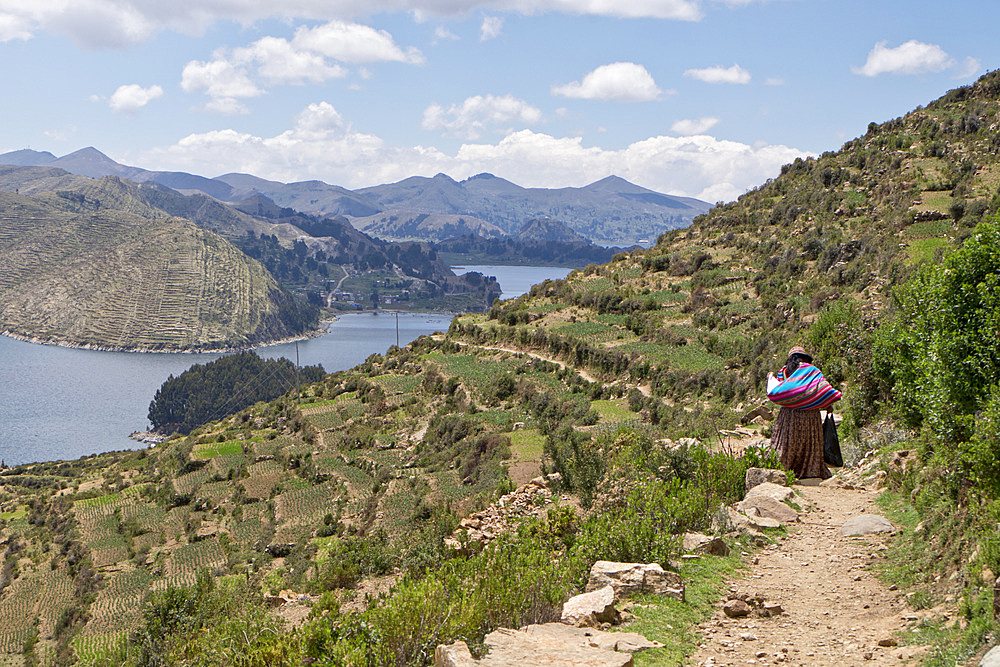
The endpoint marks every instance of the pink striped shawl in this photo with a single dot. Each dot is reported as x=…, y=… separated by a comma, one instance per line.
x=805, y=389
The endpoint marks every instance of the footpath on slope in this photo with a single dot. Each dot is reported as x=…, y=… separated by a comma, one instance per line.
x=835, y=611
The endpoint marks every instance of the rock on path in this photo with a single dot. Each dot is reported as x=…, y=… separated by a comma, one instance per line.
x=835, y=611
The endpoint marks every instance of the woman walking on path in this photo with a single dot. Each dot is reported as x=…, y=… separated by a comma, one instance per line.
x=801, y=391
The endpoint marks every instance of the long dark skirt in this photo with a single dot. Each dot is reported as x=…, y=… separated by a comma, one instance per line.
x=798, y=437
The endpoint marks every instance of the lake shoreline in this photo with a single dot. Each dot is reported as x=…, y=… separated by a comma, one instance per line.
x=144, y=350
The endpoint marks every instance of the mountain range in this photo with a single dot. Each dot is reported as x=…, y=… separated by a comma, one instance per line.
x=110, y=263
x=610, y=211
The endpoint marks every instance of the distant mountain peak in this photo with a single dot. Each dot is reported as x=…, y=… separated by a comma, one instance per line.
x=27, y=158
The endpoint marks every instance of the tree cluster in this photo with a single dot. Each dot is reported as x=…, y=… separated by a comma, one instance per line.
x=206, y=392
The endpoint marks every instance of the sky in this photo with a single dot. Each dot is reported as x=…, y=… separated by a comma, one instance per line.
x=699, y=98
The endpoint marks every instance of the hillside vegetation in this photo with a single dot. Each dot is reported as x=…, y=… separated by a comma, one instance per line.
x=880, y=258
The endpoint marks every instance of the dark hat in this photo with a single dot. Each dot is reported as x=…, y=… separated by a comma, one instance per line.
x=801, y=352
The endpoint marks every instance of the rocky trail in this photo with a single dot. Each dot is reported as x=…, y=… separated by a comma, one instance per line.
x=834, y=610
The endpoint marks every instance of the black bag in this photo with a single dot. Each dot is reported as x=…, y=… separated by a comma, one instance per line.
x=831, y=443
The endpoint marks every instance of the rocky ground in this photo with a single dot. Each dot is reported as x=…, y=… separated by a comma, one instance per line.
x=835, y=612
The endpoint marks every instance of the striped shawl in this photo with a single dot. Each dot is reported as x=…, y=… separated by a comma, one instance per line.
x=805, y=389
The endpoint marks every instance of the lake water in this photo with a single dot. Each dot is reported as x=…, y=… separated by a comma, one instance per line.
x=516, y=280
x=64, y=403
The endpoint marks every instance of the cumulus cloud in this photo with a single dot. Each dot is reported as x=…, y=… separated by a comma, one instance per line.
x=719, y=74
x=491, y=28
x=279, y=62
x=225, y=83
x=480, y=114
x=354, y=43
x=623, y=82
x=692, y=126
x=117, y=24
x=322, y=145
x=911, y=57
x=233, y=74
x=130, y=98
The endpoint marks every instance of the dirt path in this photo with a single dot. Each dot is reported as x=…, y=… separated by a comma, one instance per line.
x=835, y=611
x=583, y=373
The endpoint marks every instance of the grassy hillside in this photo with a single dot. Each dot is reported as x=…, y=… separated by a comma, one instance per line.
x=116, y=279
x=880, y=258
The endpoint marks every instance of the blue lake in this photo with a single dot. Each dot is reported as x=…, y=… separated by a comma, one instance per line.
x=516, y=280
x=62, y=403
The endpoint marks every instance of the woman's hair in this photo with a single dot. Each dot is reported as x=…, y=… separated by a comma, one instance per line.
x=793, y=362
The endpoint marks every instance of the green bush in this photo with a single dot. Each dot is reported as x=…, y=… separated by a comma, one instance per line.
x=942, y=351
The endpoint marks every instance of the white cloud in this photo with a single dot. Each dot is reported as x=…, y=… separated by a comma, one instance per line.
x=224, y=82
x=323, y=146
x=354, y=43
x=120, y=23
x=14, y=27
x=719, y=74
x=218, y=78
x=624, y=82
x=63, y=133
x=279, y=62
x=132, y=97
x=774, y=81
x=480, y=114
x=970, y=67
x=441, y=34
x=491, y=28
x=232, y=75
x=692, y=126
x=911, y=57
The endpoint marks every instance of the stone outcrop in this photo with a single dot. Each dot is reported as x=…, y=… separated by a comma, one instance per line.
x=765, y=506
x=771, y=490
x=631, y=578
x=757, y=476
x=590, y=610
x=531, y=499
x=548, y=645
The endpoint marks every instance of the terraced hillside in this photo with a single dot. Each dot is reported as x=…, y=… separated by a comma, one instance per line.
x=382, y=512
x=117, y=280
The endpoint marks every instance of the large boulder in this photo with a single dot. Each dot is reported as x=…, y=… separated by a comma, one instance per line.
x=765, y=506
x=771, y=490
x=992, y=658
x=548, y=645
x=589, y=610
x=866, y=524
x=757, y=476
x=630, y=578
